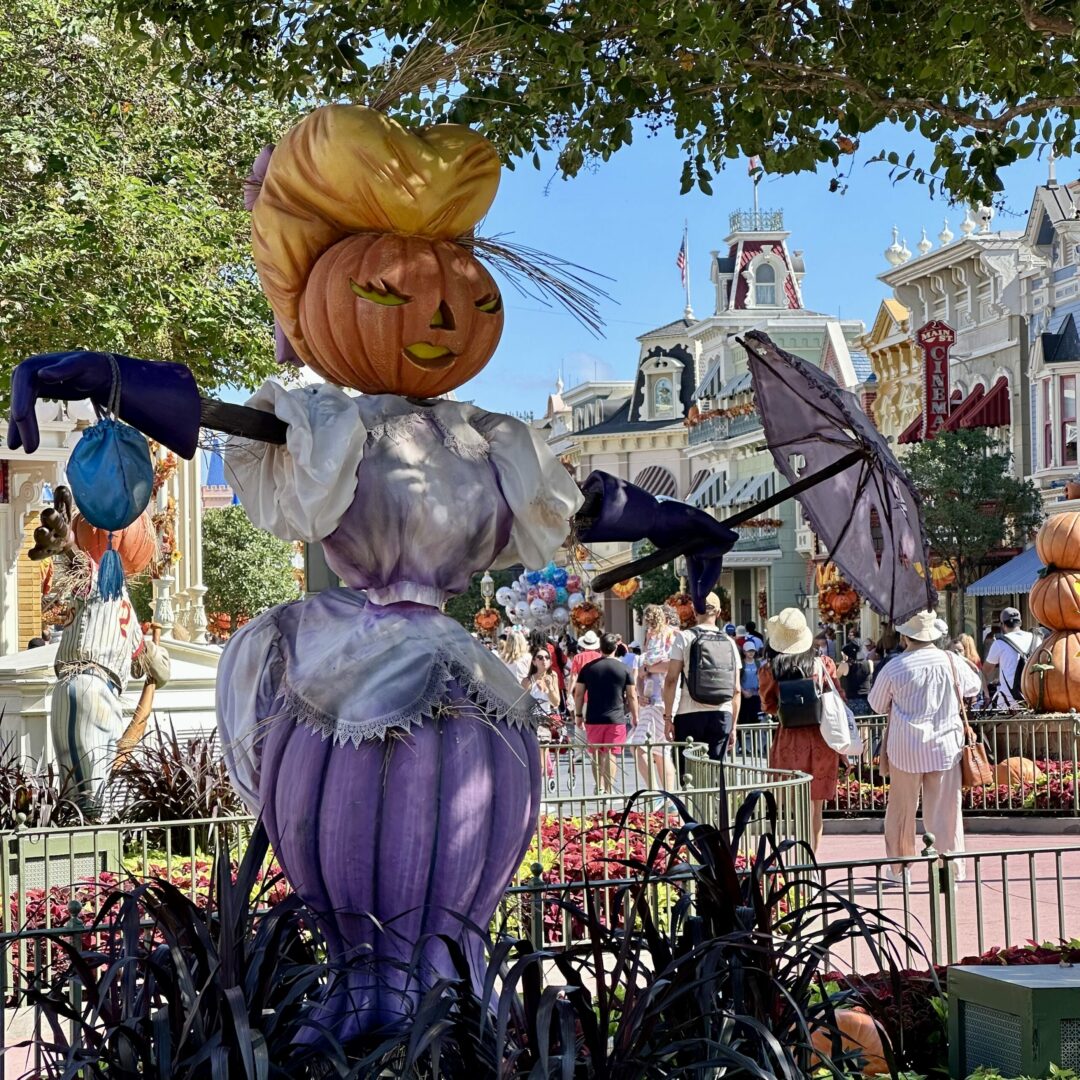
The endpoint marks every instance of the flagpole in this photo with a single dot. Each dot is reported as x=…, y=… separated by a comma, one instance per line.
x=688, y=311
x=756, y=178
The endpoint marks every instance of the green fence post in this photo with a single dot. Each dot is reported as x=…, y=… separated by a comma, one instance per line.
x=536, y=911
x=75, y=924
x=934, y=887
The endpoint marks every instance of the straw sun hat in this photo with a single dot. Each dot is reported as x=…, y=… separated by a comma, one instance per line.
x=788, y=632
x=589, y=640
x=922, y=626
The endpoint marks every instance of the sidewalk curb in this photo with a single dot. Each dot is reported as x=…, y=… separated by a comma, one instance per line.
x=973, y=826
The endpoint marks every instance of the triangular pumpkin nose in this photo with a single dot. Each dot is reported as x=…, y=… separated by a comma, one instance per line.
x=443, y=319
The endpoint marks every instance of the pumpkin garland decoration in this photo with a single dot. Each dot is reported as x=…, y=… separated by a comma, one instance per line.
x=586, y=615
x=683, y=605
x=486, y=621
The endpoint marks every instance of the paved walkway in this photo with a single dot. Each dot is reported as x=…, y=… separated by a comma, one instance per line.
x=1008, y=899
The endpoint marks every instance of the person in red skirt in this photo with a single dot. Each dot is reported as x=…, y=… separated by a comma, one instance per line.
x=790, y=654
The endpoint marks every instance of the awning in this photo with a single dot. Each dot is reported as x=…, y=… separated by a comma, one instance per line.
x=741, y=384
x=746, y=492
x=1010, y=579
x=657, y=480
x=959, y=412
x=993, y=410
x=708, y=491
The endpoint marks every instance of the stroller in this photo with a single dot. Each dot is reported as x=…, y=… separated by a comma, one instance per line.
x=561, y=740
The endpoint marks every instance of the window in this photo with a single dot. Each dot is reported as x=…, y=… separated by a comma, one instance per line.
x=1068, y=420
x=662, y=396
x=765, y=286
x=1048, y=426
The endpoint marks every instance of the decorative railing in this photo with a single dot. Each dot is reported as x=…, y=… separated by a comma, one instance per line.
x=756, y=220
x=719, y=428
x=758, y=538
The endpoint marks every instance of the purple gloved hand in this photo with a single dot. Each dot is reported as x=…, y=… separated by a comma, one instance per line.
x=628, y=512
x=160, y=399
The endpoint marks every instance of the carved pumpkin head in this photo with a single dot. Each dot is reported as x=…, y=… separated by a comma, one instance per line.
x=386, y=313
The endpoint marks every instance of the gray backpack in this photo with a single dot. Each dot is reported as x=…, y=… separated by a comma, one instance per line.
x=711, y=667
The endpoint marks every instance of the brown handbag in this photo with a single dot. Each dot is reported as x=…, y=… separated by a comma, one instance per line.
x=975, y=768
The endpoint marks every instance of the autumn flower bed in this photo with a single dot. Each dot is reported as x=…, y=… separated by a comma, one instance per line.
x=1054, y=794
x=52, y=908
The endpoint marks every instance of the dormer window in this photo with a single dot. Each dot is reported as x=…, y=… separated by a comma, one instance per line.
x=663, y=398
x=765, y=286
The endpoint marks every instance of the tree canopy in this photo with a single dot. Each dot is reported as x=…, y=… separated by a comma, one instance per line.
x=973, y=505
x=795, y=83
x=122, y=225
x=245, y=569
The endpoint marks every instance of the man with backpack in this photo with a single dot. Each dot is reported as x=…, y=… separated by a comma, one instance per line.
x=1007, y=657
x=705, y=662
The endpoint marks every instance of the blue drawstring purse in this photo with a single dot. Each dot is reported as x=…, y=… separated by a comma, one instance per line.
x=111, y=478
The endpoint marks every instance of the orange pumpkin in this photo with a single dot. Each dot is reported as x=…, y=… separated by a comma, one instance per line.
x=137, y=544
x=1055, y=600
x=1060, y=686
x=857, y=1032
x=390, y=314
x=1017, y=770
x=1058, y=541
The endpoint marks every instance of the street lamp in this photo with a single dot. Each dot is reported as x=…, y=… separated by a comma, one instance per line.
x=588, y=570
x=487, y=589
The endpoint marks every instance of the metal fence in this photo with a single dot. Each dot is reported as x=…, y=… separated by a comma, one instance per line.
x=1035, y=758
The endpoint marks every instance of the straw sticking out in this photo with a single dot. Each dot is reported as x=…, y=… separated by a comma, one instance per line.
x=545, y=277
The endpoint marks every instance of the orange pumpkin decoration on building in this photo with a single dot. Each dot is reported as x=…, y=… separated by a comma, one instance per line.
x=1058, y=542
x=400, y=314
x=858, y=1032
x=1055, y=599
x=137, y=544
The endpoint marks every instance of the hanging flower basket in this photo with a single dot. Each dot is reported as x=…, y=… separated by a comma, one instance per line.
x=626, y=589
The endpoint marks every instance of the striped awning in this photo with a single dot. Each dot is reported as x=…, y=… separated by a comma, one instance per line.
x=708, y=491
x=741, y=384
x=658, y=481
x=913, y=432
x=747, y=491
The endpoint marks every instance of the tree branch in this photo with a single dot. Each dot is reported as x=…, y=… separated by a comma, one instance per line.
x=1046, y=24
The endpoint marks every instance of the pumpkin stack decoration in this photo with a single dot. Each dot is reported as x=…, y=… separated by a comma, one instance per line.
x=1051, y=679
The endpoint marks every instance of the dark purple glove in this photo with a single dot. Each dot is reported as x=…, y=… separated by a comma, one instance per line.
x=158, y=398
x=628, y=512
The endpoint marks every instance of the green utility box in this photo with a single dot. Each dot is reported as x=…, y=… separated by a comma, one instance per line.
x=1019, y=1020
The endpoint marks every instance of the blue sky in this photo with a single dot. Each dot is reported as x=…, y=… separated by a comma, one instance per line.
x=625, y=220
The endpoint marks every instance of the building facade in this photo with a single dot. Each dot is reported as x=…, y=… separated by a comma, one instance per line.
x=758, y=285
x=972, y=283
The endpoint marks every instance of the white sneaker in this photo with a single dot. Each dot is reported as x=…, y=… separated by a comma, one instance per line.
x=890, y=878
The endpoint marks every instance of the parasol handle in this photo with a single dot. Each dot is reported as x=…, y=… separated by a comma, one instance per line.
x=603, y=582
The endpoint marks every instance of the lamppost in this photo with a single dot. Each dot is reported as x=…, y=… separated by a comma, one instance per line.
x=487, y=589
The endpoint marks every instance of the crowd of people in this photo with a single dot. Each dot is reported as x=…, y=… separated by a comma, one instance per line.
x=675, y=685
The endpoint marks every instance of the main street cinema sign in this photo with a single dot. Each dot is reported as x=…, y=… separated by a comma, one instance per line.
x=935, y=339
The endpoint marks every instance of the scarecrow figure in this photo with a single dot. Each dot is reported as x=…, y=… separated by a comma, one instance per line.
x=392, y=757
x=101, y=648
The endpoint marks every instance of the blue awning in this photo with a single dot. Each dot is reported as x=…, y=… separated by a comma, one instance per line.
x=1014, y=577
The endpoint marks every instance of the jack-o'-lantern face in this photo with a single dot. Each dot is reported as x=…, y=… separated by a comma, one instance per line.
x=390, y=314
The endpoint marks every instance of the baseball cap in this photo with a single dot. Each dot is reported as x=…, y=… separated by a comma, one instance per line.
x=729, y=629
x=749, y=647
x=1010, y=614
x=712, y=602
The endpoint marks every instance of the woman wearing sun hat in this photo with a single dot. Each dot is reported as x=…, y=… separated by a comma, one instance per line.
x=791, y=655
x=920, y=692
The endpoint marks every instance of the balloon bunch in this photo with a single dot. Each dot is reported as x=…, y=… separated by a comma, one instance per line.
x=542, y=599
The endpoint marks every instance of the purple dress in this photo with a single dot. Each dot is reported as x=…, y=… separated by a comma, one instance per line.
x=393, y=758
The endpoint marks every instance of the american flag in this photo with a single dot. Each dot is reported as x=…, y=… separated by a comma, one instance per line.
x=680, y=260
